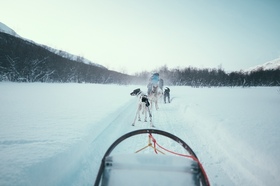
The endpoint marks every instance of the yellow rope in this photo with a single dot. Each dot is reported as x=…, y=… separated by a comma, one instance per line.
x=143, y=148
x=149, y=145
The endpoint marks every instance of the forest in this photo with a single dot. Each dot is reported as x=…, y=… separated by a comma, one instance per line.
x=195, y=77
x=24, y=61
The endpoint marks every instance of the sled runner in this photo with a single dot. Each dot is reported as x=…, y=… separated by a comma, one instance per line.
x=151, y=168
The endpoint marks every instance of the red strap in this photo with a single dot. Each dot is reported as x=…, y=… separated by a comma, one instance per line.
x=184, y=155
x=154, y=141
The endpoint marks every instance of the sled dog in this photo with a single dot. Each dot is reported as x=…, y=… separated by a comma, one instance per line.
x=154, y=96
x=143, y=105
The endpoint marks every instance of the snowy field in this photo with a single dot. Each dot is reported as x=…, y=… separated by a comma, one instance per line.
x=56, y=134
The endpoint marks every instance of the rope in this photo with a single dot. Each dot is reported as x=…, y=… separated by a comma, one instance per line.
x=155, y=142
x=184, y=155
x=150, y=145
x=151, y=138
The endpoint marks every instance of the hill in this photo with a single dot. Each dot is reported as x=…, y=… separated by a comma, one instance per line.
x=22, y=60
x=270, y=65
x=4, y=28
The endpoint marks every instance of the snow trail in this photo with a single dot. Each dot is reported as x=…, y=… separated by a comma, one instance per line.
x=57, y=134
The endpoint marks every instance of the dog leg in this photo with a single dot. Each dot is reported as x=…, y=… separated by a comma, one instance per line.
x=133, y=123
x=151, y=106
x=139, y=110
x=145, y=111
x=150, y=115
x=137, y=114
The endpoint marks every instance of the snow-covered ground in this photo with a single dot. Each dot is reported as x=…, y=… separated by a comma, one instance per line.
x=56, y=134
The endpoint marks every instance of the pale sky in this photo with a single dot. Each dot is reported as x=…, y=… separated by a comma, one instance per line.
x=135, y=35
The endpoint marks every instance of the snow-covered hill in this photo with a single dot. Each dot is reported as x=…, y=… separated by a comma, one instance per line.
x=72, y=57
x=56, y=134
x=4, y=28
x=270, y=65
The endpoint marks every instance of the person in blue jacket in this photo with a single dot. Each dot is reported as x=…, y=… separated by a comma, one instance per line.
x=153, y=83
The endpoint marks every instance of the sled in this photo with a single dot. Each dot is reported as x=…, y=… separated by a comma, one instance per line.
x=157, y=168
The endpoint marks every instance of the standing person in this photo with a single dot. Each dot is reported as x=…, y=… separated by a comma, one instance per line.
x=166, y=94
x=153, y=83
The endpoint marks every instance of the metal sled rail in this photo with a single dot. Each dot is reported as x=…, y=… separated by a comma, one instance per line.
x=185, y=170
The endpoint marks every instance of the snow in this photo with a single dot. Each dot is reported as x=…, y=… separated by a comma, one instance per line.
x=4, y=28
x=56, y=134
x=270, y=65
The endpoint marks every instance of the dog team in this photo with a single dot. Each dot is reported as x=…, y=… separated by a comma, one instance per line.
x=146, y=102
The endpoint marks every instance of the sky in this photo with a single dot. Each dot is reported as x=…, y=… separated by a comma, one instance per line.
x=133, y=36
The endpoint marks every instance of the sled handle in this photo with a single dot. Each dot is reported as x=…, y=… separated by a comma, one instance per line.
x=147, y=131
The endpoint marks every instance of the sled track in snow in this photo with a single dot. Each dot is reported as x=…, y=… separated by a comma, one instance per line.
x=113, y=124
x=117, y=124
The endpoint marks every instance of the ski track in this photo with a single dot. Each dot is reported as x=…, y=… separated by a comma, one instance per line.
x=112, y=128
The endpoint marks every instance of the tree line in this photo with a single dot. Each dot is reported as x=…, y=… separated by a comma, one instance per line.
x=24, y=61
x=195, y=77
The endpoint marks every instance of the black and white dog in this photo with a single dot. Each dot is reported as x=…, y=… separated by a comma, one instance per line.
x=142, y=105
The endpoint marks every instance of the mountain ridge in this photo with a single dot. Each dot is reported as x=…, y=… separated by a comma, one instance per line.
x=4, y=28
x=270, y=65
